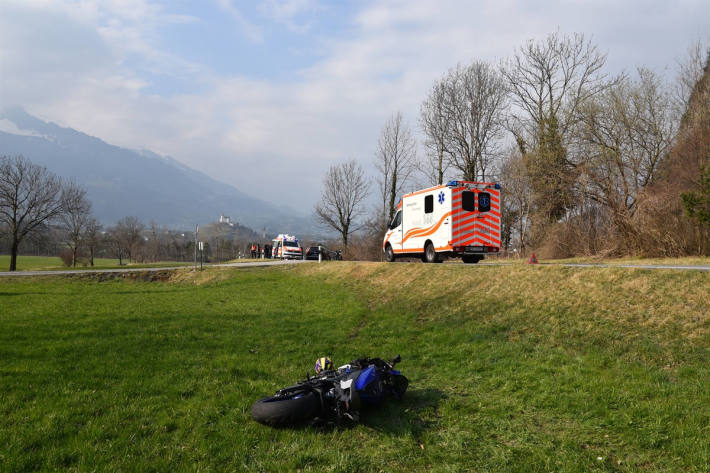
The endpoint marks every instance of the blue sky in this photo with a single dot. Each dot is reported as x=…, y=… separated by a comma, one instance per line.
x=284, y=88
x=251, y=39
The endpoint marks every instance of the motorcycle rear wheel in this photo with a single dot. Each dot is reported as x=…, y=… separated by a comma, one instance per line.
x=282, y=410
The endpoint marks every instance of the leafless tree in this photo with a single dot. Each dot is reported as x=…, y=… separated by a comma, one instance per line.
x=154, y=244
x=690, y=71
x=550, y=80
x=435, y=123
x=92, y=237
x=127, y=235
x=517, y=196
x=475, y=102
x=627, y=131
x=344, y=191
x=395, y=160
x=75, y=215
x=30, y=196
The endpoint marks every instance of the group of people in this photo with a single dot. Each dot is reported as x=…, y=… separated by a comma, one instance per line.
x=259, y=251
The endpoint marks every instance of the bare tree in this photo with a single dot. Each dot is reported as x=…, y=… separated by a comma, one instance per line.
x=517, y=197
x=475, y=103
x=550, y=80
x=435, y=124
x=76, y=213
x=690, y=71
x=627, y=131
x=344, y=190
x=30, y=196
x=92, y=237
x=127, y=236
x=395, y=160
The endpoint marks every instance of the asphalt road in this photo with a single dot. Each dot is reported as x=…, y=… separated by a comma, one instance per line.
x=250, y=264
x=615, y=265
x=634, y=266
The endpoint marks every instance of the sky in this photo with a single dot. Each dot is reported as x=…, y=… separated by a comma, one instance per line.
x=266, y=94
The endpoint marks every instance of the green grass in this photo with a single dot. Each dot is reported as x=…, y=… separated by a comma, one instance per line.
x=511, y=369
x=49, y=263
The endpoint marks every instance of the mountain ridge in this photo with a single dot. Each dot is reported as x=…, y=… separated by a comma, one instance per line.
x=122, y=181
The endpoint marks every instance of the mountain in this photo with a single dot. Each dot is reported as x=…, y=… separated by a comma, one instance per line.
x=141, y=183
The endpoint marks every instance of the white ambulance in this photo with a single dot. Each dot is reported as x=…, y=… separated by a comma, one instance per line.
x=286, y=247
x=459, y=219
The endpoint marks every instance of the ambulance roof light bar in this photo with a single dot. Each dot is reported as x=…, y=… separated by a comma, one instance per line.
x=461, y=183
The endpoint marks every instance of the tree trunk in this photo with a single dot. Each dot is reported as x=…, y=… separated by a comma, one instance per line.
x=13, y=253
x=393, y=196
x=344, y=233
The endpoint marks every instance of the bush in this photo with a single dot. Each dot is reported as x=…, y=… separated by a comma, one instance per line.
x=66, y=257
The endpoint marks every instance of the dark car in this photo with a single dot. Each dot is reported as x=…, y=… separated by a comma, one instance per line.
x=312, y=252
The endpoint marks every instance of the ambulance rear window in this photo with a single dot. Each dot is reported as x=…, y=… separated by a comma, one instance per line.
x=468, y=201
x=484, y=202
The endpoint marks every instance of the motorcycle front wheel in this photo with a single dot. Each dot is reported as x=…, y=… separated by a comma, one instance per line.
x=282, y=410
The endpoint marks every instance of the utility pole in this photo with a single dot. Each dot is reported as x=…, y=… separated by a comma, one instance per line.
x=196, y=230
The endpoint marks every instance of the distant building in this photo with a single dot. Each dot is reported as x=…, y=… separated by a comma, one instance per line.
x=225, y=219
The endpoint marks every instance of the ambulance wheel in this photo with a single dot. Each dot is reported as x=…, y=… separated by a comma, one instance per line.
x=471, y=259
x=389, y=253
x=430, y=255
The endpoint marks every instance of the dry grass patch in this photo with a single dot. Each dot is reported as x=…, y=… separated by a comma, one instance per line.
x=199, y=278
x=633, y=300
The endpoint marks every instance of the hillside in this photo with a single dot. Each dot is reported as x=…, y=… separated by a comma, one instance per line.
x=123, y=182
x=517, y=368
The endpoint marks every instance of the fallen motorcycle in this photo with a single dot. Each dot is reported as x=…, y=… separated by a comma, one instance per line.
x=333, y=395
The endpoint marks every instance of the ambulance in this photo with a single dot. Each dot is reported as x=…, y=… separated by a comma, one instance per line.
x=286, y=247
x=460, y=219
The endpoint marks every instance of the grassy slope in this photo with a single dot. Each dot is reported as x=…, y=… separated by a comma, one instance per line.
x=48, y=263
x=512, y=369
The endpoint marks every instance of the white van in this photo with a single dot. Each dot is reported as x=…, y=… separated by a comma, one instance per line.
x=286, y=247
x=459, y=219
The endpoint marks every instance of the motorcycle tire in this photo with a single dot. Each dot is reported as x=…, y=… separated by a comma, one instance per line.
x=281, y=410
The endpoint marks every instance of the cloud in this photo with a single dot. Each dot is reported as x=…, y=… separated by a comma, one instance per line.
x=291, y=13
x=250, y=30
x=92, y=66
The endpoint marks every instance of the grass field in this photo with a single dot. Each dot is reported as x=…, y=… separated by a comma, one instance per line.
x=519, y=368
x=49, y=263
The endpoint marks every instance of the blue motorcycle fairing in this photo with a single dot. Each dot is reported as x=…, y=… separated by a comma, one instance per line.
x=366, y=377
x=395, y=372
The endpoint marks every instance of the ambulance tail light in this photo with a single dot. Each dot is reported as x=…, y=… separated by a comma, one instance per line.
x=493, y=249
x=459, y=249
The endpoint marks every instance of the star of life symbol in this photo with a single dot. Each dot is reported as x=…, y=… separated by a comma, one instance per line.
x=441, y=197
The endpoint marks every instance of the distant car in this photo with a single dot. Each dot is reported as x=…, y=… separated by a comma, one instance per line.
x=312, y=252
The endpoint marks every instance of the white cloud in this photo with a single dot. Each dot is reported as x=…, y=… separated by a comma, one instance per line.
x=71, y=64
x=250, y=30
x=291, y=13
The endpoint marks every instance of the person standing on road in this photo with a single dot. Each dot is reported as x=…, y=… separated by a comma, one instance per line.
x=253, y=250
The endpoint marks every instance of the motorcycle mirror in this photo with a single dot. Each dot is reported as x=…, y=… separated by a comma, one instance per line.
x=396, y=360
